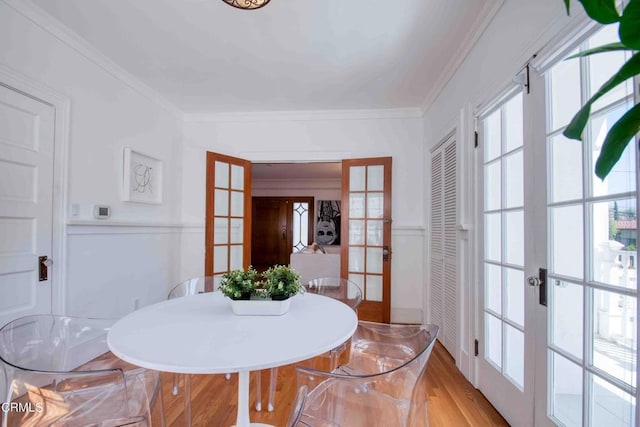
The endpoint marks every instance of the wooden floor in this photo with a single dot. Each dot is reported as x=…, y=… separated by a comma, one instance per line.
x=452, y=399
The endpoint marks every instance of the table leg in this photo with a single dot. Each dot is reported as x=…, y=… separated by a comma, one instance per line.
x=187, y=399
x=242, y=419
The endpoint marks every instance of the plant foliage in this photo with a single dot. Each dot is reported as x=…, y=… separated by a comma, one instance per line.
x=605, y=12
x=281, y=280
x=239, y=283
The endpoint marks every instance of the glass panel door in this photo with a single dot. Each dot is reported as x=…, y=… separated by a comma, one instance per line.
x=366, y=254
x=591, y=349
x=506, y=333
x=228, y=219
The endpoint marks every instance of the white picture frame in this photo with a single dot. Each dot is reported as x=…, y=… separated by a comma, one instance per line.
x=142, y=178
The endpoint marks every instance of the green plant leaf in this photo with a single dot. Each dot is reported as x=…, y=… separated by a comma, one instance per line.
x=630, y=25
x=611, y=47
x=579, y=121
x=567, y=4
x=603, y=11
x=616, y=141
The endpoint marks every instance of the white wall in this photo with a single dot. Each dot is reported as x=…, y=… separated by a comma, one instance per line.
x=106, y=268
x=519, y=29
x=311, y=138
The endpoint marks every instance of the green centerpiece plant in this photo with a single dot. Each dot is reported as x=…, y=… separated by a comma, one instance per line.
x=281, y=282
x=239, y=284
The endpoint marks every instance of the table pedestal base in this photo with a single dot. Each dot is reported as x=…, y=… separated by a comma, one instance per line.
x=242, y=419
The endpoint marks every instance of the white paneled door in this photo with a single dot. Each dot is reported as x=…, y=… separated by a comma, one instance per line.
x=26, y=203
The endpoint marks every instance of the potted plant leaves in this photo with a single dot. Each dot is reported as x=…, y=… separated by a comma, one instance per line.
x=281, y=282
x=239, y=284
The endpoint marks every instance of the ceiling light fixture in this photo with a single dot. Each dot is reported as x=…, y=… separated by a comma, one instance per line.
x=247, y=4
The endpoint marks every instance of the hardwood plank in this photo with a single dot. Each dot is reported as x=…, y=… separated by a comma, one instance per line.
x=452, y=399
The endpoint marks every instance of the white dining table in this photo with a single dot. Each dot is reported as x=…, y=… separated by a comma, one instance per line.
x=200, y=335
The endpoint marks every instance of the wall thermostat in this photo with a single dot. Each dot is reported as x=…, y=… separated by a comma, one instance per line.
x=101, y=211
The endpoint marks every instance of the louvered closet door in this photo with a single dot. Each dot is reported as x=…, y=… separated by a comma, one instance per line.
x=228, y=215
x=443, y=243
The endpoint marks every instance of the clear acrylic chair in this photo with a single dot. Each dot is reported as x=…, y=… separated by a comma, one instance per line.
x=58, y=371
x=383, y=384
x=333, y=287
x=187, y=288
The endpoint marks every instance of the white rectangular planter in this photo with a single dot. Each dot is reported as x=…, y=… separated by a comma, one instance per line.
x=260, y=308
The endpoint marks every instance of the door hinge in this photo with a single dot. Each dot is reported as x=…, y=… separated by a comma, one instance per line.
x=476, y=344
x=475, y=142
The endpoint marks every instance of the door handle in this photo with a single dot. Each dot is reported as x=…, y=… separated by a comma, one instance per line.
x=386, y=253
x=284, y=233
x=43, y=268
x=541, y=282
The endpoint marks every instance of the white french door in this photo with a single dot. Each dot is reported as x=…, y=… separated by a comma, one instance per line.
x=507, y=336
x=563, y=351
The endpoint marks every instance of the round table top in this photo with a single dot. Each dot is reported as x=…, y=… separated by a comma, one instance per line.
x=200, y=334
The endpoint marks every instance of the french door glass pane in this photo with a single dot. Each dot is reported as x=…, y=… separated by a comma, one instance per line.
x=567, y=241
x=514, y=296
x=222, y=174
x=493, y=288
x=237, y=177
x=614, y=329
x=493, y=339
x=492, y=181
x=622, y=178
x=513, y=238
x=374, y=288
x=374, y=233
x=566, y=388
x=610, y=406
x=513, y=180
x=493, y=237
x=222, y=202
x=566, y=169
x=565, y=92
x=602, y=67
x=375, y=178
x=237, y=230
x=492, y=136
x=356, y=232
x=357, y=178
x=566, y=328
x=514, y=355
x=513, y=123
x=220, y=230
x=614, y=252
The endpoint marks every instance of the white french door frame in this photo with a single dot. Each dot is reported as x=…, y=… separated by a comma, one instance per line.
x=62, y=106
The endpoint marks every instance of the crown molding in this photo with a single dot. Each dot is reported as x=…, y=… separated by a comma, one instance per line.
x=63, y=33
x=271, y=116
x=476, y=30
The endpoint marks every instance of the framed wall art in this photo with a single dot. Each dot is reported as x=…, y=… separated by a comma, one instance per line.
x=142, y=178
x=328, y=223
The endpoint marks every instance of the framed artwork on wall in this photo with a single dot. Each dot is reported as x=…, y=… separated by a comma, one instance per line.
x=328, y=223
x=142, y=178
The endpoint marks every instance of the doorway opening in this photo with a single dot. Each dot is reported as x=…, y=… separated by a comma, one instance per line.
x=289, y=210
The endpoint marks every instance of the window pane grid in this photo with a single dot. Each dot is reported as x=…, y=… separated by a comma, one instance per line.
x=503, y=273
x=605, y=355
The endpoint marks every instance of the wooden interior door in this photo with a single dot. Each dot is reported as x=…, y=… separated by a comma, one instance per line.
x=270, y=232
x=228, y=215
x=366, y=228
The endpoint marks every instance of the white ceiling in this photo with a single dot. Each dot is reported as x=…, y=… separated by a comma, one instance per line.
x=206, y=57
